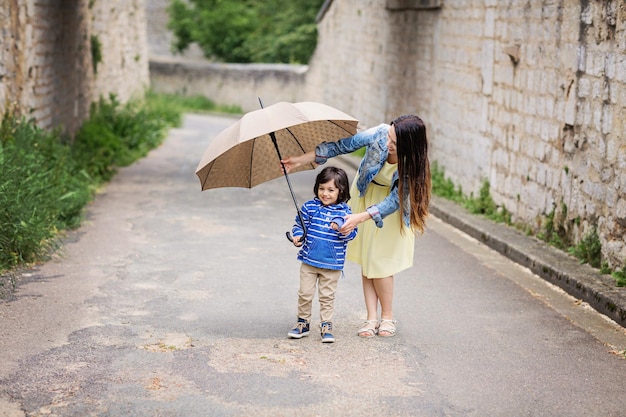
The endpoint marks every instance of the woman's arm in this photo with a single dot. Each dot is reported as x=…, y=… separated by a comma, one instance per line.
x=352, y=221
x=390, y=204
x=327, y=150
x=376, y=212
x=292, y=162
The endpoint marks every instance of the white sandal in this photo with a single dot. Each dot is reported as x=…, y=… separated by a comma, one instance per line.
x=369, y=328
x=387, y=326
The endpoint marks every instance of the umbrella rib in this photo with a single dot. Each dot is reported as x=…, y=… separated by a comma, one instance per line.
x=206, y=178
x=251, y=162
x=341, y=127
x=297, y=142
x=295, y=138
x=329, y=121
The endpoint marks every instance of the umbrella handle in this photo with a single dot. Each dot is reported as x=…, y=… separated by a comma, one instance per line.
x=289, y=238
x=303, y=229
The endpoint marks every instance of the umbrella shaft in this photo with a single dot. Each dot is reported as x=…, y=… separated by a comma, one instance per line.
x=293, y=196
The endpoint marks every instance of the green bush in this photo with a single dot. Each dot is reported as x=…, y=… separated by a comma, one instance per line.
x=589, y=249
x=620, y=277
x=444, y=187
x=554, y=232
x=47, y=180
x=116, y=135
x=40, y=191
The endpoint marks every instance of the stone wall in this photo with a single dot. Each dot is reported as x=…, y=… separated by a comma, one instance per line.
x=372, y=62
x=46, y=68
x=231, y=84
x=527, y=94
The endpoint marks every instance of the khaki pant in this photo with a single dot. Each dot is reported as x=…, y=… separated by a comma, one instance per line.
x=326, y=281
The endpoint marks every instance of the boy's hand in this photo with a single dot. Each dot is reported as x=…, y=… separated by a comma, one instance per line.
x=297, y=241
x=336, y=223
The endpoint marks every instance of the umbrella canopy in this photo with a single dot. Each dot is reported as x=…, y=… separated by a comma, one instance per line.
x=246, y=154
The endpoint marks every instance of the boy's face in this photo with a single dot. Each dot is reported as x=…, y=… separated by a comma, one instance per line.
x=328, y=193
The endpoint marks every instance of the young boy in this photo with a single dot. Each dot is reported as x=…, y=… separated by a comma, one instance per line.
x=323, y=250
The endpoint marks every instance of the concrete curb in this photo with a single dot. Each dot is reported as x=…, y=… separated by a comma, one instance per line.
x=551, y=264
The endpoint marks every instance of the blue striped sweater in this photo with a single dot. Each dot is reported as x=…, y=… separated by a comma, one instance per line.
x=323, y=247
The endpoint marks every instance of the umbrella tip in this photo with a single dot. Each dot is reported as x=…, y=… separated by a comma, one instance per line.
x=260, y=102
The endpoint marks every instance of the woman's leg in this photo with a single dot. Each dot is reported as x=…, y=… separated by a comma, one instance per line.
x=384, y=291
x=371, y=299
x=383, y=287
x=371, y=303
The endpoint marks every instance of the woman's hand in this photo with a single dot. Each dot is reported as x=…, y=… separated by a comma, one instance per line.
x=352, y=221
x=292, y=162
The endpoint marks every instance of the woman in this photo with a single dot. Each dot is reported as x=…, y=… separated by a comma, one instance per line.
x=392, y=183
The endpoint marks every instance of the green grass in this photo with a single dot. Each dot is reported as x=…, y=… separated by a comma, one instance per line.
x=47, y=179
x=41, y=190
x=620, y=277
x=588, y=250
x=116, y=135
x=482, y=204
x=187, y=104
x=444, y=187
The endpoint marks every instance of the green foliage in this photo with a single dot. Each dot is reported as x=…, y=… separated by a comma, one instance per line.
x=46, y=181
x=620, y=277
x=444, y=187
x=554, y=232
x=171, y=106
x=96, y=52
x=483, y=204
x=271, y=31
x=116, y=135
x=589, y=249
x=41, y=191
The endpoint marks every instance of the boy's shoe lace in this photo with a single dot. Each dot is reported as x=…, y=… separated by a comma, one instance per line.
x=300, y=330
x=326, y=328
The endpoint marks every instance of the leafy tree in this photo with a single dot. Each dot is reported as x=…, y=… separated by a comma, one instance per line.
x=271, y=31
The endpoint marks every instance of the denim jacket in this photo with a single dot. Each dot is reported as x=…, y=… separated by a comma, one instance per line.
x=376, y=152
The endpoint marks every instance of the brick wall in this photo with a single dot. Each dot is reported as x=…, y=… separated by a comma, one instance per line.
x=46, y=67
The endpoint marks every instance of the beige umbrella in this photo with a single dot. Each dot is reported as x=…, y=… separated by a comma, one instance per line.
x=248, y=153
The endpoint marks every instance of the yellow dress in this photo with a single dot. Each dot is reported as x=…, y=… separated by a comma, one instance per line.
x=384, y=251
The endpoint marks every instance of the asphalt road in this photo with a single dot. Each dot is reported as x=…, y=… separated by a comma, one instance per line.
x=169, y=301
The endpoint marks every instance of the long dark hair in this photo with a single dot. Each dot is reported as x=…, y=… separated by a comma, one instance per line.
x=413, y=168
x=340, y=178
